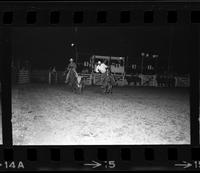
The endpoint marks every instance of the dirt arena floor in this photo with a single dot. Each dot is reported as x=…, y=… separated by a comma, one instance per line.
x=53, y=115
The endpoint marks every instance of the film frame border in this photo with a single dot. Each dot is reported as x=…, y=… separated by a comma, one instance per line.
x=124, y=157
x=72, y=14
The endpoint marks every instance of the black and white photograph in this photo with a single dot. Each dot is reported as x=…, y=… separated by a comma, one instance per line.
x=100, y=85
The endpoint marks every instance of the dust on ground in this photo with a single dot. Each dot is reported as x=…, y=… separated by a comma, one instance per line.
x=53, y=115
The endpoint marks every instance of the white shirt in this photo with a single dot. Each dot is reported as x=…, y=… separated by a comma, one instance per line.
x=101, y=68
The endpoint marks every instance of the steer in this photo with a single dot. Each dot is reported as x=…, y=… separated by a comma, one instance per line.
x=80, y=84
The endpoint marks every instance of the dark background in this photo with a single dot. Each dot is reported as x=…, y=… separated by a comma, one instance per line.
x=51, y=46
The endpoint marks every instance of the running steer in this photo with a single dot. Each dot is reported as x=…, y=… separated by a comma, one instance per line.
x=80, y=84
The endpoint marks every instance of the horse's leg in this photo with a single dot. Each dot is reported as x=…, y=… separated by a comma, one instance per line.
x=67, y=78
x=81, y=88
x=74, y=87
x=78, y=89
x=107, y=88
x=104, y=88
x=110, y=89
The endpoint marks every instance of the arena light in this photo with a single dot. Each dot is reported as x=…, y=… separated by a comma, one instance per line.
x=72, y=44
x=155, y=56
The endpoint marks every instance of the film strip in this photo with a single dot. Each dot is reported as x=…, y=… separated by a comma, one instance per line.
x=98, y=157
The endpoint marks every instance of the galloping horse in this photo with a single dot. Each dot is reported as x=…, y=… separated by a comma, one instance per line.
x=75, y=81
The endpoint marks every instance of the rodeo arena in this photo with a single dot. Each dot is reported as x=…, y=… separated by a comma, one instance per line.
x=22, y=73
x=110, y=102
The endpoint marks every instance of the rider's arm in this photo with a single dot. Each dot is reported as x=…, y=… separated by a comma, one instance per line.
x=97, y=69
x=68, y=67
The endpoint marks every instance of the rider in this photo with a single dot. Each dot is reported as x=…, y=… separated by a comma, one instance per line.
x=72, y=66
x=108, y=80
x=52, y=69
x=101, y=67
x=52, y=73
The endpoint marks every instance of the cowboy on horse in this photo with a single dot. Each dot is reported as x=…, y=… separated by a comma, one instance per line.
x=101, y=67
x=108, y=81
x=71, y=67
x=72, y=77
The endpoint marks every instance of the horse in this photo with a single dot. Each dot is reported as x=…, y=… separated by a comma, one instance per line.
x=76, y=82
x=108, y=81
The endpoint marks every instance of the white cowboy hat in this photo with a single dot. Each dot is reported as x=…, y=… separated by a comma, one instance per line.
x=99, y=62
x=71, y=59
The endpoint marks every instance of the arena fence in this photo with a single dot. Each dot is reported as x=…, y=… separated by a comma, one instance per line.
x=53, y=77
x=23, y=77
x=148, y=80
x=96, y=77
x=43, y=76
x=141, y=80
x=182, y=81
x=87, y=78
x=120, y=79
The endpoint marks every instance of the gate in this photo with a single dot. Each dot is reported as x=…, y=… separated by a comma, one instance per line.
x=23, y=77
